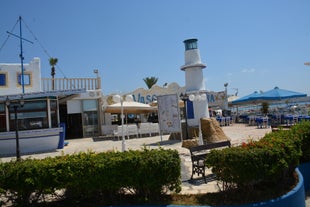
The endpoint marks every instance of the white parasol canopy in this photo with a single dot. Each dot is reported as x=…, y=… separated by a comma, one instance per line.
x=130, y=107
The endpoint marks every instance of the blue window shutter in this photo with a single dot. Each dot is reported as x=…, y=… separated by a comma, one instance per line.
x=2, y=80
x=19, y=79
x=190, y=109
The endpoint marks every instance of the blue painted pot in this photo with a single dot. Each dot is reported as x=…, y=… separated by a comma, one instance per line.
x=305, y=171
x=296, y=197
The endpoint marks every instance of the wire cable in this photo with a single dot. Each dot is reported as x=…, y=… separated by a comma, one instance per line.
x=8, y=36
x=42, y=47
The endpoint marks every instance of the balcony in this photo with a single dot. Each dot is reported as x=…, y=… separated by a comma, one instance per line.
x=51, y=84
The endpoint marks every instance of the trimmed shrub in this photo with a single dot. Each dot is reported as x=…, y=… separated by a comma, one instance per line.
x=145, y=174
x=302, y=130
x=267, y=160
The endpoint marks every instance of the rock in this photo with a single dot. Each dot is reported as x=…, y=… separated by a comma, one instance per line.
x=189, y=143
x=212, y=131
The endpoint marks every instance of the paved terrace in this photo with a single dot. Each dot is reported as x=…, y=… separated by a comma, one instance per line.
x=238, y=133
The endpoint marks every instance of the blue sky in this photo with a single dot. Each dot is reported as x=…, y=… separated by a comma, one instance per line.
x=252, y=45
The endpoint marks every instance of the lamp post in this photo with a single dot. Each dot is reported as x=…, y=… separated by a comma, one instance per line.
x=96, y=71
x=15, y=106
x=226, y=97
x=198, y=97
x=184, y=98
x=119, y=99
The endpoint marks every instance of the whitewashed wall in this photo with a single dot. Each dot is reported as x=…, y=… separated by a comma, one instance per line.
x=13, y=69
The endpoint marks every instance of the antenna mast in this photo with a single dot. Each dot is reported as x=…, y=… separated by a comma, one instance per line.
x=21, y=51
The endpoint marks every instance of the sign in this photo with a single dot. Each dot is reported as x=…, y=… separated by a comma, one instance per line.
x=169, y=113
x=147, y=96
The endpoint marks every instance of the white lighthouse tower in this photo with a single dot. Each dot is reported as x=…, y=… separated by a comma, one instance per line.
x=197, y=103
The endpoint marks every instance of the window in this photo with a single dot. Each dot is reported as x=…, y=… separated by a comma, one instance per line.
x=54, y=119
x=3, y=79
x=90, y=105
x=27, y=79
x=90, y=118
x=33, y=115
x=190, y=44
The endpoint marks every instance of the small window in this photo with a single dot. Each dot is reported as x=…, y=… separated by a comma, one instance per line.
x=27, y=79
x=3, y=80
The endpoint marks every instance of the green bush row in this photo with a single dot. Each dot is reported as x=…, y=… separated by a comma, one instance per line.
x=145, y=173
x=303, y=132
x=270, y=159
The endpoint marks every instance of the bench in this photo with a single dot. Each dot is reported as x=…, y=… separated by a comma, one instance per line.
x=198, y=156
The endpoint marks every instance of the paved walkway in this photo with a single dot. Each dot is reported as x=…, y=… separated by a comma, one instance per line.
x=238, y=133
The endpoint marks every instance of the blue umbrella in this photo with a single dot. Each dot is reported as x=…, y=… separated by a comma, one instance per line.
x=278, y=94
x=246, y=99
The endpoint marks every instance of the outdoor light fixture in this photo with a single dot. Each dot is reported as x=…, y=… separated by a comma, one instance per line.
x=15, y=106
x=96, y=71
x=226, y=97
x=198, y=97
x=119, y=99
x=184, y=98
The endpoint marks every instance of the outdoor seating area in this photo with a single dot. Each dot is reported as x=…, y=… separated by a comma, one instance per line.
x=262, y=122
x=224, y=121
x=273, y=120
x=276, y=107
x=259, y=121
x=294, y=119
x=131, y=130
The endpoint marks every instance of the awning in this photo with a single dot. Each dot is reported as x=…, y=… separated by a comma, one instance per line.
x=129, y=107
x=275, y=94
x=59, y=93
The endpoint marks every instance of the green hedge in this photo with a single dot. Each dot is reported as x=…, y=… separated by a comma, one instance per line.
x=270, y=159
x=145, y=173
x=303, y=132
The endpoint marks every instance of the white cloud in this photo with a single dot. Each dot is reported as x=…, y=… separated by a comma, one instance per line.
x=248, y=70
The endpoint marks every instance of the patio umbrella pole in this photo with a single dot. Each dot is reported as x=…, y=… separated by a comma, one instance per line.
x=123, y=137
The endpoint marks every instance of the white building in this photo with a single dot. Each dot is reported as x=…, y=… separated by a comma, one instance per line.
x=11, y=77
x=74, y=101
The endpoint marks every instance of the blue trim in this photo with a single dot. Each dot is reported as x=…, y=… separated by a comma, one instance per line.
x=304, y=169
x=190, y=109
x=2, y=79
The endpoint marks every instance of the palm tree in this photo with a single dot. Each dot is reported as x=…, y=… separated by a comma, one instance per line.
x=265, y=108
x=150, y=81
x=53, y=62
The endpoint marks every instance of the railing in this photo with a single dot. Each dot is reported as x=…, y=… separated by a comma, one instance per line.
x=50, y=84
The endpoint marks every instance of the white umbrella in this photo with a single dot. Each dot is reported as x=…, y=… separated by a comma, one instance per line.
x=130, y=107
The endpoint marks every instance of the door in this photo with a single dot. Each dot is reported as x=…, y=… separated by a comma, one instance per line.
x=74, y=126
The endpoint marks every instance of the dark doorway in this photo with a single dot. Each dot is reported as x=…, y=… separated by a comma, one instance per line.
x=73, y=122
x=74, y=126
